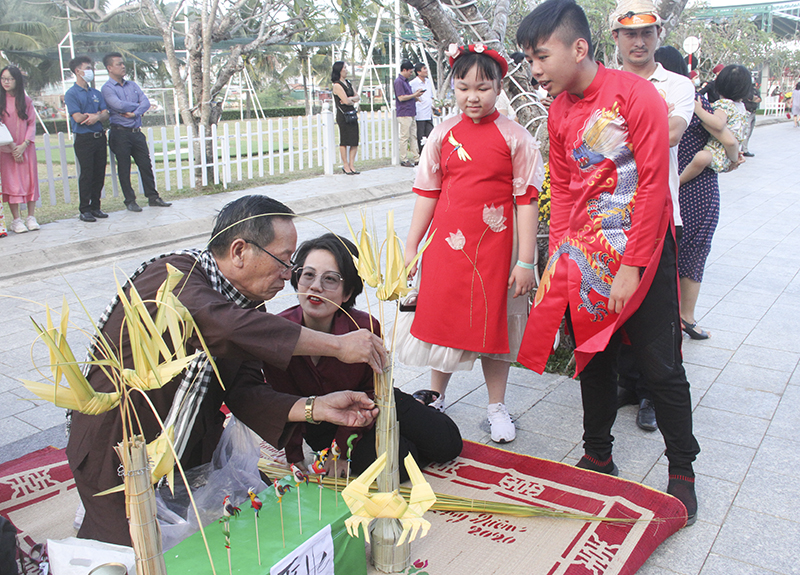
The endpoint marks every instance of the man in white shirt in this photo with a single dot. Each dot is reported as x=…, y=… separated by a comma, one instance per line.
x=424, y=116
x=636, y=28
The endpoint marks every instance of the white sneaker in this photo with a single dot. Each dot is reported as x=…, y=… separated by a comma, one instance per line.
x=31, y=224
x=503, y=429
x=18, y=226
x=438, y=403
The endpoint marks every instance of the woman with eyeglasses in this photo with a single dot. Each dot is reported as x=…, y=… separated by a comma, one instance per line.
x=327, y=285
x=18, y=169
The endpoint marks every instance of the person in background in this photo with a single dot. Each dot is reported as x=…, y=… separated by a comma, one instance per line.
x=127, y=104
x=710, y=89
x=699, y=206
x=406, y=109
x=751, y=104
x=327, y=285
x=734, y=84
x=424, y=115
x=637, y=40
x=18, y=169
x=796, y=104
x=87, y=110
x=345, y=97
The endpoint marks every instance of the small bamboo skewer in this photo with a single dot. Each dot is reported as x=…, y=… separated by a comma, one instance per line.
x=318, y=467
x=257, y=504
x=336, y=453
x=299, y=477
x=279, y=491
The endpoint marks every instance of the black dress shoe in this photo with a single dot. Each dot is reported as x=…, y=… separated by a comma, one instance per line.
x=646, y=418
x=87, y=217
x=98, y=213
x=748, y=154
x=133, y=207
x=159, y=203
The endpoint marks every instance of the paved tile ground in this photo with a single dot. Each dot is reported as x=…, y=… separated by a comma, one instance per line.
x=745, y=379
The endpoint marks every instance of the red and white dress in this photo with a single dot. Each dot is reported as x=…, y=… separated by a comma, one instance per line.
x=478, y=172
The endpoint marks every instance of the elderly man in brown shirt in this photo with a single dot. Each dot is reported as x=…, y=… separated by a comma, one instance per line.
x=246, y=263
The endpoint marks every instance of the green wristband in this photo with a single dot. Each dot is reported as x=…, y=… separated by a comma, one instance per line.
x=524, y=265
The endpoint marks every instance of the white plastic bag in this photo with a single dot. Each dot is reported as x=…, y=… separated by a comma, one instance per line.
x=232, y=471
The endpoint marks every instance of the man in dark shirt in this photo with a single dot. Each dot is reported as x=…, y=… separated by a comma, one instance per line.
x=223, y=288
x=406, y=109
x=87, y=110
x=127, y=104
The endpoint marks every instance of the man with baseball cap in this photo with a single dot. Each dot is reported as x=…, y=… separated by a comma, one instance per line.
x=636, y=28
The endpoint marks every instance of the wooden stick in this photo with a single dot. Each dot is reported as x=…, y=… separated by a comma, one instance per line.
x=336, y=479
x=230, y=568
x=299, y=513
x=319, y=482
x=258, y=543
x=283, y=533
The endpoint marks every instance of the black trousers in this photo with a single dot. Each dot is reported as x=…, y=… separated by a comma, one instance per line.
x=126, y=145
x=424, y=129
x=654, y=331
x=91, y=154
x=627, y=371
x=427, y=434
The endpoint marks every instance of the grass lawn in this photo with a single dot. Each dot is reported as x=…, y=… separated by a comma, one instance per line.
x=48, y=213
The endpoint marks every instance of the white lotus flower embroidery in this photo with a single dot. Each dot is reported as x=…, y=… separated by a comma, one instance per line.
x=494, y=218
x=456, y=240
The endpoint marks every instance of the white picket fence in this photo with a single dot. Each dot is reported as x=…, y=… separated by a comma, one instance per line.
x=773, y=106
x=239, y=151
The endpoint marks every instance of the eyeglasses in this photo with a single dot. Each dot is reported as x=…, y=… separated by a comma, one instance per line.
x=286, y=267
x=3, y=79
x=328, y=280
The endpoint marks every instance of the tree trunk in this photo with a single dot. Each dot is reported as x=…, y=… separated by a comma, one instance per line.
x=670, y=12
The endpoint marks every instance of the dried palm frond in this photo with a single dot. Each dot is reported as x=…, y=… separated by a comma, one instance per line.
x=445, y=502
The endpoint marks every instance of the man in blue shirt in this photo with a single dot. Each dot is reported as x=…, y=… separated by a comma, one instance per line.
x=406, y=109
x=126, y=104
x=87, y=110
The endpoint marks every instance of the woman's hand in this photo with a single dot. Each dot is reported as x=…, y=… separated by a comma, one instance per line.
x=523, y=278
x=348, y=408
x=19, y=150
x=409, y=257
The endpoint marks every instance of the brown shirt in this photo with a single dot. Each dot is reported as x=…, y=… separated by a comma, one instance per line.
x=239, y=338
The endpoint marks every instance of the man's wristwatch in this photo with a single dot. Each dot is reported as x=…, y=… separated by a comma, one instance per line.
x=310, y=410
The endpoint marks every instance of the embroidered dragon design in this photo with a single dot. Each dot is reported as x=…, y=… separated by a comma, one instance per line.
x=604, y=137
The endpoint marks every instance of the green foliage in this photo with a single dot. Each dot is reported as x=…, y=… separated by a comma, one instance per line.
x=735, y=40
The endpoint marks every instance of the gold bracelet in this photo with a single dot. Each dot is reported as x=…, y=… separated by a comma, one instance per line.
x=310, y=410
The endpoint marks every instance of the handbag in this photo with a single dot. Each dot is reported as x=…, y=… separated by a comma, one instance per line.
x=5, y=136
x=350, y=117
